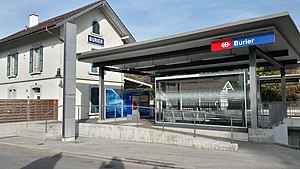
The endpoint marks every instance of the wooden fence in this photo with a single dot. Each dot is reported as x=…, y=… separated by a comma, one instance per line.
x=13, y=110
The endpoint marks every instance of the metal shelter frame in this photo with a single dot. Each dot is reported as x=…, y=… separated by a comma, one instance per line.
x=190, y=53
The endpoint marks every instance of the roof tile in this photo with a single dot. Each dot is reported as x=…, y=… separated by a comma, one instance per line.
x=47, y=23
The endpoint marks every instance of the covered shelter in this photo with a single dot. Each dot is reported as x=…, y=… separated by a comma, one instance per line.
x=192, y=52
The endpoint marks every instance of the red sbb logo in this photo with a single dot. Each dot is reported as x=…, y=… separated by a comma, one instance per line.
x=225, y=44
x=221, y=45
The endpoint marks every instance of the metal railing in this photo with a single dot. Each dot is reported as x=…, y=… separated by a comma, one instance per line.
x=272, y=113
x=193, y=116
x=196, y=118
x=46, y=116
x=293, y=109
x=79, y=110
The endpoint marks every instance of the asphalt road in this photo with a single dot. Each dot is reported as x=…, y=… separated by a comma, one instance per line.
x=23, y=158
x=21, y=152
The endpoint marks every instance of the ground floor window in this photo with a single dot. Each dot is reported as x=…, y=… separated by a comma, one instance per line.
x=12, y=93
x=36, y=92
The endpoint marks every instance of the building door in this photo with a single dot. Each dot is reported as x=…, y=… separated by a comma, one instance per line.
x=94, y=100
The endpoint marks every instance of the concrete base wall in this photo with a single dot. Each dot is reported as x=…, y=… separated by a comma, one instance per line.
x=281, y=134
x=128, y=133
x=292, y=122
x=54, y=132
x=19, y=128
x=211, y=133
x=11, y=129
x=125, y=133
x=276, y=135
x=261, y=135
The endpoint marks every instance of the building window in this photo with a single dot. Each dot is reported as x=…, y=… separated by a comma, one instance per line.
x=12, y=93
x=36, y=60
x=96, y=27
x=94, y=100
x=36, y=92
x=12, y=65
x=94, y=69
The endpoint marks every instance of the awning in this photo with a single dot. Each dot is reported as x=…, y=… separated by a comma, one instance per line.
x=191, y=52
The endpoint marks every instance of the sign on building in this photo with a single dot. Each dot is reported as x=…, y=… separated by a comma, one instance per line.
x=243, y=41
x=95, y=40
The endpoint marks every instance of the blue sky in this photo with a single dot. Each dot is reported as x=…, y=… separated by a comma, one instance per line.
x=147, y=19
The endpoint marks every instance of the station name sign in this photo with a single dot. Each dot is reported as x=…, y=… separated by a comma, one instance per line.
x=244, y=41
x=95, y=40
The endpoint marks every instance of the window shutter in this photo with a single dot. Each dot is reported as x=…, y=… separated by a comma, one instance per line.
x=41, y=59
x=16, y=64
x=8, y=65
x=31, y=61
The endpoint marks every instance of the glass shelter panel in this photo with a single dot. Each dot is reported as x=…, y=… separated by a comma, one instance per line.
x=205, y=98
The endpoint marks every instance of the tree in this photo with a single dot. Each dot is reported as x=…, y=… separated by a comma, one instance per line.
x=272, y=92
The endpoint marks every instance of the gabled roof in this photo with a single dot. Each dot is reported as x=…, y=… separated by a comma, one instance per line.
x=61, y=19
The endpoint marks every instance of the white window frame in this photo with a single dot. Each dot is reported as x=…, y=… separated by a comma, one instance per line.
x=13, y=65
x=36, y=60
x=92, y=28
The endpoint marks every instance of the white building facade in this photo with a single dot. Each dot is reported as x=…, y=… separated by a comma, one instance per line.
x=32, y=60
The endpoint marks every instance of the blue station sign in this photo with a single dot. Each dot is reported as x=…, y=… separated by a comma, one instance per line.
x=95, y=40
x=251, y=40
x=243, y=41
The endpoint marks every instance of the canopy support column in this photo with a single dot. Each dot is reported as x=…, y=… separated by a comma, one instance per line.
x=253, y=86
x=283, y=93
x=101, y=94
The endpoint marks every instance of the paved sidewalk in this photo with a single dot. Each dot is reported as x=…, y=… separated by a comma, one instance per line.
x=250, y=155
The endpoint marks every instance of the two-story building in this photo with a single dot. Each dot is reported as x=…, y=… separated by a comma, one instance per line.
x=31, y=60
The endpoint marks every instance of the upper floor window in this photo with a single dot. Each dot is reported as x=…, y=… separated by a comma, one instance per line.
x=12, y=65
x=93, y=68
x=96, y=27
x=36, y=60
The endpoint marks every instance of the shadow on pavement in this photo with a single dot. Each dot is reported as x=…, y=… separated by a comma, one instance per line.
x=115, y=162
x=45, y=163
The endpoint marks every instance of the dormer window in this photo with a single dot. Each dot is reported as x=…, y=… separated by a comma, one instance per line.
x=96, y=27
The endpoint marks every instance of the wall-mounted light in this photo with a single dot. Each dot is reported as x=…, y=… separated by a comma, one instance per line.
x=124, y=37
x=58, y=74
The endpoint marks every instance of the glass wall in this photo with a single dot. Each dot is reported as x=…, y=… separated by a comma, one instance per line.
x=205, y=98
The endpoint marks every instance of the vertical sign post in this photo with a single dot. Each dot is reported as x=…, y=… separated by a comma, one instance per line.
x=69, y=89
